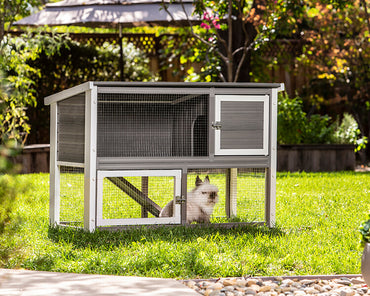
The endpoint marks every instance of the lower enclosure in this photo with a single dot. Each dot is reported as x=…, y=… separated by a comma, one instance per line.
x=147, y=197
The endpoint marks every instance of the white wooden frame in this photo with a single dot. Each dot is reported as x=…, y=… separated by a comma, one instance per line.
x=89, y=164
x=270, y=195
x=91, y=109
x=92, y=183
x=242, y=98
x=176, y=219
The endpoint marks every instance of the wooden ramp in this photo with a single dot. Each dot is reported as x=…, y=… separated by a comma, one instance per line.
x=137, y=195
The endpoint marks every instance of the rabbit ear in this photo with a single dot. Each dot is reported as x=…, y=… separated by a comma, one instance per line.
x=198, y=182
x=206, y=180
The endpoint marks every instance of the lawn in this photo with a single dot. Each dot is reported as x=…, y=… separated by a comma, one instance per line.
x=318, y=215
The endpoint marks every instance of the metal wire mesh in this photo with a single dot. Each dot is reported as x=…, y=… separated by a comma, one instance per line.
x=71, y=129
x=152, y=125
x=71, y=195
x=250, y=194
x=136, y=197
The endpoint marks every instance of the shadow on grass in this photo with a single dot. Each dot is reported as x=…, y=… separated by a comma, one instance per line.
x=105, y=239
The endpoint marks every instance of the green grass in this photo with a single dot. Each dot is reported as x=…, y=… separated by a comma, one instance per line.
x=318, y=215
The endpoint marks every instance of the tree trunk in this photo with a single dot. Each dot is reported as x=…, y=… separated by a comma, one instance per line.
x=242, y=35
x=2, y=30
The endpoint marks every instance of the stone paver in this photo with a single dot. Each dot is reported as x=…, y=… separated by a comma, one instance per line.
x=35, y=283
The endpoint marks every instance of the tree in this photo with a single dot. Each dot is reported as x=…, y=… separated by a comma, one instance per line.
x=72, y=64
x=15, y=84
x=338, y=56
x=229, y=32
x=16, y=88
x=335, y=52
x=11, y=10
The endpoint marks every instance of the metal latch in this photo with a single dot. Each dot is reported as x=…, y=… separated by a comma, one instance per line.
x=180, y=199
x=216, y=125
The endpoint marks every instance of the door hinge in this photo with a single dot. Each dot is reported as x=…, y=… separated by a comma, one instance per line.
x=180, y=200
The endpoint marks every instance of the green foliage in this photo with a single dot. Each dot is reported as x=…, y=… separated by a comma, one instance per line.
x=10, y=189
x=189, y=58
x=295, y=127
x=347, y=132
x=291, y=120
x=8, y=150
x=229, y=31
x=13, y=10
x=318, y=130
x=16, y=91
x=328, y=42
x=8, y=193
x=74, y=63
x=37, y=65
x=365, y=231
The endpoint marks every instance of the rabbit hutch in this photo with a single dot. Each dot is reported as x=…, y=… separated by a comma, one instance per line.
x=121, y=151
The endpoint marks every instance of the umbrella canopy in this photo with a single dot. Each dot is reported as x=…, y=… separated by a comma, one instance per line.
x=109, y=13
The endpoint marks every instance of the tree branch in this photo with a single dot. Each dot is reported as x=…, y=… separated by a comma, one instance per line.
x=197, y=36
x=363, y=2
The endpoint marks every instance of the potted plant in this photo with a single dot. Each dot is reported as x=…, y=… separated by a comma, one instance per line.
x=365, y=243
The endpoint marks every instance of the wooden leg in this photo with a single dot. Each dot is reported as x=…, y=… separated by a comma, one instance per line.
x=144, y=189
x=231, y=192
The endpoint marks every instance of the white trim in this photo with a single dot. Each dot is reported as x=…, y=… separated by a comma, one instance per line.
x=54, y=198
x=176, y=219
x=70, y=164
x=90, y=159
x=270, y=211
x=242, y=98
x=79, y=89
x=281, y=88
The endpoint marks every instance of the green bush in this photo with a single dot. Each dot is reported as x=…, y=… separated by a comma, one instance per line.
x=347, y=132
x=8, y=194
x=295, y=127
x=365, y=231
x=291, y=120
x=10, y=190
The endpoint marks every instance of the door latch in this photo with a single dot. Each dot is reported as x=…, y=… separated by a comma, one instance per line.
x=180, y=199
x=216, y=125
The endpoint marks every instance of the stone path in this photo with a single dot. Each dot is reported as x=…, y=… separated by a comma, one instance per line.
x=18, y=282
x=278, y=286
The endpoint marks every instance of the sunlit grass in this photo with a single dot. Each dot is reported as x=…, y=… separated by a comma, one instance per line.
x=317, y=219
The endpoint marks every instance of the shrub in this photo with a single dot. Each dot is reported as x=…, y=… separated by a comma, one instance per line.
x=295, y=127
x=347, y=132
x=291, y=120
x=365, y=231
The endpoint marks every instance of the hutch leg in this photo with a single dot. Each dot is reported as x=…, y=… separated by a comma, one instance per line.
x=144, y=189
x=231, y=192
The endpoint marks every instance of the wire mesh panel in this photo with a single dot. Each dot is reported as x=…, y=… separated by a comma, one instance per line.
x=152, y=125
x=251, y=193
x=71, y=195
x=71, y=129
x=239, y=200
x=138, y=197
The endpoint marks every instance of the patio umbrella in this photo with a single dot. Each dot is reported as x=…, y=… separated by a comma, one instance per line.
x=112, y=13
x=108, y=13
